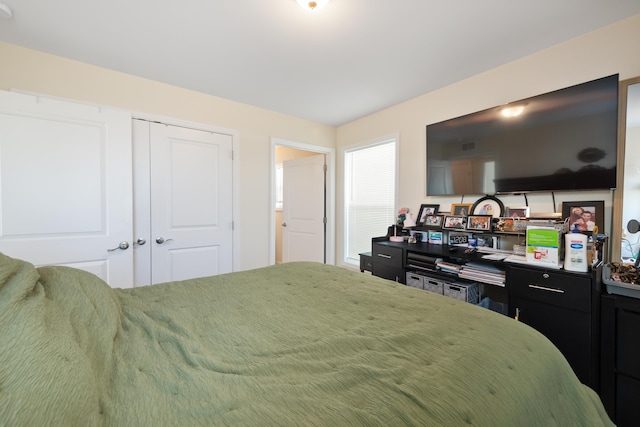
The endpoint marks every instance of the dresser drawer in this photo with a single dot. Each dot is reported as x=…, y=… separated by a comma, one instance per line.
x=564, y=290
x=388, y=272
x=387, y=255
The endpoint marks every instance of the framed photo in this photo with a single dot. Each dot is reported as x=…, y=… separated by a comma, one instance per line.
x=517, y=212
x=479, y=222
x=454, y=222
x=586, y=215
x=461, y=209
x=488, y=205
x=426, y=210
x=505, y=224
x=433, y=221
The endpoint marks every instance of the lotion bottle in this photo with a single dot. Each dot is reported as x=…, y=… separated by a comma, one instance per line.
x=575, y=251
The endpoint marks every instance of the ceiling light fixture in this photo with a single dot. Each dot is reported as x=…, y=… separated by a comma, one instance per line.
x=5, y=11
x=312, y=5
x=512, y=111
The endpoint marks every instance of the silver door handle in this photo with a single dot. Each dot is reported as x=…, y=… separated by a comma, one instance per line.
x=140, y=242
x=122, y=246
x=161, y=240
x=544, y=288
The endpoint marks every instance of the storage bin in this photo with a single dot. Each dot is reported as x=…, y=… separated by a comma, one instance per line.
x=433, y=285
x=415, y=280
x=467, y=292
x=619, y=288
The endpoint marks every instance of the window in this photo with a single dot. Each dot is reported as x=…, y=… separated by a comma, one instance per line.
x=370, y=182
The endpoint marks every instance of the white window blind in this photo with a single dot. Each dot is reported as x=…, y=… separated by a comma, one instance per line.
x=369, y=195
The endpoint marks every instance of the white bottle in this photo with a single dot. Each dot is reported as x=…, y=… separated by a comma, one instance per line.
x=575, y=251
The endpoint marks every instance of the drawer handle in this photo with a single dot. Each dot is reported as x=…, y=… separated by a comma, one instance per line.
x=543, y=288
x=384, y=256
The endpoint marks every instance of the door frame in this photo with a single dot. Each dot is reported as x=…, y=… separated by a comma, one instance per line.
x=330, y=154
x=234, y=165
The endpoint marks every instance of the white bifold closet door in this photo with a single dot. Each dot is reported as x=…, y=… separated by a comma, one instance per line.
x=65, y=185
x=73, y=183
x=183, y=216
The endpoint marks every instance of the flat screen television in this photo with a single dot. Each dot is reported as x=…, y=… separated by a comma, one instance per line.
x=565, y=140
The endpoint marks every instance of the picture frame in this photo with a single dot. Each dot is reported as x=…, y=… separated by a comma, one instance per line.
x=461, y=209
x=488, y=205
x=433, y=221
x=479, y=222
x=586, y=214
x=426, y=209
x=455, y=222
x=517, y=212
x=505, y=224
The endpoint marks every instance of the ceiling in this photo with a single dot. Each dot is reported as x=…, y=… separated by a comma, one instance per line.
x=351, y=59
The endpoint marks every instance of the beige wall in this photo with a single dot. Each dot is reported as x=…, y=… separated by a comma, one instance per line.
x=603, y=52
x=33, y=71
x=610, y=50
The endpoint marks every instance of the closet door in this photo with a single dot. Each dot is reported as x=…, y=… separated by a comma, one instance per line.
x=65, y=185
x=190, y=202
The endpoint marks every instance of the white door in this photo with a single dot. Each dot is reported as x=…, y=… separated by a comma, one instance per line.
x=65, y=185
x=190, y=190
x=303, y=212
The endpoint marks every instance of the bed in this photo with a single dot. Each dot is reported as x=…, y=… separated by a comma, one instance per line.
x=299, y=344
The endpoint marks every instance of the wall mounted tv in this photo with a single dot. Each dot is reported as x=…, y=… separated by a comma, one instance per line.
x=564, y=140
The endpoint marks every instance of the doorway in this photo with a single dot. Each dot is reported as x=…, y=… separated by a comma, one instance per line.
x=283, y=150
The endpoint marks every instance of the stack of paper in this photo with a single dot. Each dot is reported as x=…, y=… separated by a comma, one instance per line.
x=485, y=273
x=448, y=267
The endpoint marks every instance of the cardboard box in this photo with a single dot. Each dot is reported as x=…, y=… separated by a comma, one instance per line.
x=544, y=245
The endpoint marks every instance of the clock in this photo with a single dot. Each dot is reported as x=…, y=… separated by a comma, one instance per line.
x=458, y=239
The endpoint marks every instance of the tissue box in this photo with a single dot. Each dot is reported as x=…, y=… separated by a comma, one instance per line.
x=435, y=237
x=543, y=246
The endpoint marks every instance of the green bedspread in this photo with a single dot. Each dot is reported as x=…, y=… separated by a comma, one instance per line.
x=300, y=344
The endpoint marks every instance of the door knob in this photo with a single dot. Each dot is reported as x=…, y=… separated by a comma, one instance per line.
x=122, y=246
x=140, y=242
x=161, y=240
x=284, y=224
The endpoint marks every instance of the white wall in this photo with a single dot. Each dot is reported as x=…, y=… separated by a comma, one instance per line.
x=607, y=51
x=33, y=71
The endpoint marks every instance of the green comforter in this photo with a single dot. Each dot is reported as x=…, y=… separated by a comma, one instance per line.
x=298, y=344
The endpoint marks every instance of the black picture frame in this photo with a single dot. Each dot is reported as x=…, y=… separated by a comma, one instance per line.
x=433, y=221
x=479, y=222
x=595, y=210
x=426, y=209
x=455, y=222
x=488, y=205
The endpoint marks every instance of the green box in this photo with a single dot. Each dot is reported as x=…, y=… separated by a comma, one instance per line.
x=543, y=246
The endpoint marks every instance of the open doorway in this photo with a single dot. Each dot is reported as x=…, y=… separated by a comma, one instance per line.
x=289, y=151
